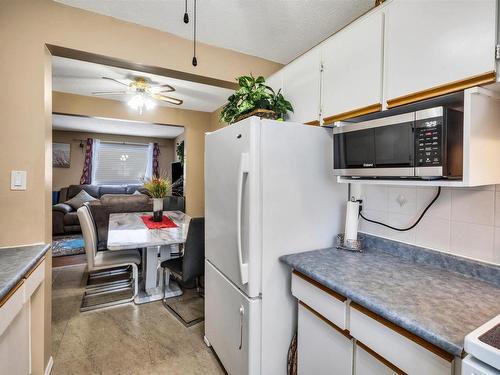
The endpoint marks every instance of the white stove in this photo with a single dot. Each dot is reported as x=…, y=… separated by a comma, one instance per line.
x=483, y=348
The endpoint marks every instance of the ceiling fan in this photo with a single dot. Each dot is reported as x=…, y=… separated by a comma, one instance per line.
x=144, y=91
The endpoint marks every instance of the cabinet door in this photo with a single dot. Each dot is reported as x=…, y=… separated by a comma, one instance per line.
x=435, y=43
x=322, y=349
x=14, y=335
x=366, y=364
x=301, y=86
x=352, y=63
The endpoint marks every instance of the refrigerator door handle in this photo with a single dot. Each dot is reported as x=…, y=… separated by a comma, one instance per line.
x=243, y=170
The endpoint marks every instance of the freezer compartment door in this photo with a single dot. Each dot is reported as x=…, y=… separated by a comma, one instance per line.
x=232, y=324
x=232, y=204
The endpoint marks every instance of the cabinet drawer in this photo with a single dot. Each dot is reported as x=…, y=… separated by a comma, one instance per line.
x=13, y=304
x=322, y=348
x=397, y=346
x=34, y=278
x=366, y=362
x=326, y=302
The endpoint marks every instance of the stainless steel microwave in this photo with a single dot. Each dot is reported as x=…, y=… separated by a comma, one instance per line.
x=424, y=144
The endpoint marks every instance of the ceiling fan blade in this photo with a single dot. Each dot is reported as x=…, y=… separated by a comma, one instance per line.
x=109, y=92
x=166, y=88
x=167, y=99
x=160, y=89
x=117, y=81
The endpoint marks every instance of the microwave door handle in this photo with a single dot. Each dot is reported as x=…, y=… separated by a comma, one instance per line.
x=243, y=170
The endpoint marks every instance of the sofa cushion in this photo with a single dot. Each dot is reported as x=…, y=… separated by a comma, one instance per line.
x=131, y=189
x=71, y=219
x=78, y=200
x=112, y=189
x=73, y=190
x=129, y=200
x=62, y=207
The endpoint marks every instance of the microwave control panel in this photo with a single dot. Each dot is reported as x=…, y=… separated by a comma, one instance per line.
x=428, y=138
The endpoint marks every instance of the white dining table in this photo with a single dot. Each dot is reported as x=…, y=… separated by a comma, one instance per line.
x=128, y=231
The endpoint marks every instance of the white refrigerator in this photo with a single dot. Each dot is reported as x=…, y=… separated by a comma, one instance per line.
x=269, y=191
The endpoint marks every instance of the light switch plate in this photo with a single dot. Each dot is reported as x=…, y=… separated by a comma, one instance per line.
x=18, y=180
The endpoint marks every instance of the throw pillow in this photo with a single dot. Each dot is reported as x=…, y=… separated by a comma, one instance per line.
x=78, y=200
x=137, y=192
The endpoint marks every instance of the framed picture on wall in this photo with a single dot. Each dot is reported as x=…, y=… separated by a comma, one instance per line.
x=61, y=153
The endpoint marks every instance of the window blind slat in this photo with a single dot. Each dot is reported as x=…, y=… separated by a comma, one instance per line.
x=120, y=163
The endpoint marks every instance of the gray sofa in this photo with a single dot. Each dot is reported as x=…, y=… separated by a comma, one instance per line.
x=64, y=218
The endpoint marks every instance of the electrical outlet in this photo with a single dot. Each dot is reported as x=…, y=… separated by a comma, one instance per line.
x=401, y=199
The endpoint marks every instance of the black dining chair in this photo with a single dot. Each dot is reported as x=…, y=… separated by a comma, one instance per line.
x=190, y=267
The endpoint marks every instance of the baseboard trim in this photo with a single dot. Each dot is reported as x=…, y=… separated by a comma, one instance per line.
x=48, y=369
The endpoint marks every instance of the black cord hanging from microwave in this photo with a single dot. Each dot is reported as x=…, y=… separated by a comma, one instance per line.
x=195, y=61
x=414, y=224
x=186, y=15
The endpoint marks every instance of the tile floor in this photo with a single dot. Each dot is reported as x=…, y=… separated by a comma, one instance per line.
x=126, y=339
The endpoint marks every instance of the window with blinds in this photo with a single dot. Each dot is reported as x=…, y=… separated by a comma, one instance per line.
x=118, y=163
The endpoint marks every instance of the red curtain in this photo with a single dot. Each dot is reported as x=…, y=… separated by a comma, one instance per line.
x=156, y=164
x=87, y=165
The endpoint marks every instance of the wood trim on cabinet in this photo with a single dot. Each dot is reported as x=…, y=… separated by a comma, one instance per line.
x=21, y=282
x=325, y=289
x=447, y=88
x=403, y=332
x=354, y=113
x=381, y=359
x=34, y=267
x=11, y=292
x=312, y=123
x=343, y=332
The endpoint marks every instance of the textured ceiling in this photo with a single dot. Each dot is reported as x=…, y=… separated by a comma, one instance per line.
x=277, y=30
x=110, y=126
x=83, y=78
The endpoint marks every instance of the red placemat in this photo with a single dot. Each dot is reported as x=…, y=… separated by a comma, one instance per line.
x=165, y=223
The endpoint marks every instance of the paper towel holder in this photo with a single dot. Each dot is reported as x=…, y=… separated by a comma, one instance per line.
x=349, y=245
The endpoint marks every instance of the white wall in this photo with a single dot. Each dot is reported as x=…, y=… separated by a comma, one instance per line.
x=463, y=221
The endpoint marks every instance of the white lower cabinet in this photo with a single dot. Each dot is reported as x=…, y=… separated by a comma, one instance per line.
x=358, y=342
x=405, y=353
x=322, y=349
x=14, y=337
x=367, y=364
x=16, y=332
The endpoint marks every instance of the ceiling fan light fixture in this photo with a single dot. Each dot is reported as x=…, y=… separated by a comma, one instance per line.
x=140, y=101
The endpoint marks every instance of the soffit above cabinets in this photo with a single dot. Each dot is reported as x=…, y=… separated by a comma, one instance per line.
x=276, y=30
x=114, y=126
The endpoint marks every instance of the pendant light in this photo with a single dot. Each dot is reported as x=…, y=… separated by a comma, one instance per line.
x=186, y=15
x=194, y=61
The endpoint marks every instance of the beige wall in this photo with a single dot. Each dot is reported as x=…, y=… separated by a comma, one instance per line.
x=62, y=177
x=214, y=120
x=25, y=27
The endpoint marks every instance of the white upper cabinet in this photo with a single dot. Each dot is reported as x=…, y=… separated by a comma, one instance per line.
x=352, y=63
x=301, y=86
x=435, y=43
x=275, y=81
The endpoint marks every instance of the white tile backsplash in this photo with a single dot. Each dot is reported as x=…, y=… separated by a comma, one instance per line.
x=473, y=206
x=402, y=200
x=472, y=240
x=463, y=221
x=433, y=233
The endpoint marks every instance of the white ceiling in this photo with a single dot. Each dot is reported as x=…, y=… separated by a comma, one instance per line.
x=111, y=126
x=277, y=30
x=83, y=78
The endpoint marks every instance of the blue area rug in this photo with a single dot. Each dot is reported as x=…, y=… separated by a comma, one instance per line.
x=68, y=245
